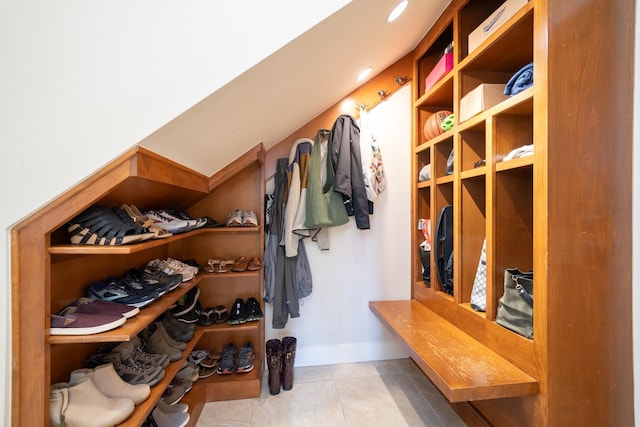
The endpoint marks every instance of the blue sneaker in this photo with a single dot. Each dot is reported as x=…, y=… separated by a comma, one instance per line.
x=116, y=290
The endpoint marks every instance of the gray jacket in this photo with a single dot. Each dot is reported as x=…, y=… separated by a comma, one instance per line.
x=347, y=164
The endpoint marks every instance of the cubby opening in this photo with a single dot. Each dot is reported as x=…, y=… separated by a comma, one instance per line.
x=431, y=57
x=513, y=226
x=473, y=232
x=473, y=147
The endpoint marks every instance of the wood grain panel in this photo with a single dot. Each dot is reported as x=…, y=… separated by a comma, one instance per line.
x=461, y=367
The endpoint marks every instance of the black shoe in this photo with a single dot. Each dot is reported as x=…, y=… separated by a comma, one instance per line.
x=187, y=302
x=254, y=313
x=192, y=315
x=238, y=313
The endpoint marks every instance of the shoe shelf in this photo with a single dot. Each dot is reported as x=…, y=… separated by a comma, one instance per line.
x=145, y=408
x=70, y=249
x=133, y=325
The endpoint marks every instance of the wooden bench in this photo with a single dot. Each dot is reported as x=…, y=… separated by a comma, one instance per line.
x=461, y=367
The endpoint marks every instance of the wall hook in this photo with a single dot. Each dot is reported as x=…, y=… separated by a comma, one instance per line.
x=401, y=81
x=383, y=94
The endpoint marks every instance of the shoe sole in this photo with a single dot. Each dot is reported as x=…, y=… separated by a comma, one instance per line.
x=245, y=370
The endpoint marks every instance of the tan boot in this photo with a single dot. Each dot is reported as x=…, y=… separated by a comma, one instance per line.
x=110, y=384
x=82, y=405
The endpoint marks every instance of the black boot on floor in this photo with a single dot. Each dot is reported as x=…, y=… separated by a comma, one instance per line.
x=288, y=359
x=274, y=363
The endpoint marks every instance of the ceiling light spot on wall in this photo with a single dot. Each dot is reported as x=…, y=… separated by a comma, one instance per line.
x=347, y=106
x=397, y=11
x=363, y=74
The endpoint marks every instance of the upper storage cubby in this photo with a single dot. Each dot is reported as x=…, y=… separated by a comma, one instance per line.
x=434, y=77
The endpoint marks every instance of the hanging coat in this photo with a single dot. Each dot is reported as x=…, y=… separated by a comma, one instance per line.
x=349, y=181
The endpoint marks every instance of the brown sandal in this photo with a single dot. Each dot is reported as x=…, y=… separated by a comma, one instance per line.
x=255, y=264
x=240, y=265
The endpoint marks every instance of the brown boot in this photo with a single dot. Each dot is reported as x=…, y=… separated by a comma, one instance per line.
x=288, y=359
x=274, y=362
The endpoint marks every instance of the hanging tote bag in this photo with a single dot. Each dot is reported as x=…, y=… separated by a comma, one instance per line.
x=515, y=309
x=325, y=207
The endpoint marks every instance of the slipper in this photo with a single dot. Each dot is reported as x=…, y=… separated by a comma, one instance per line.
x=220, y=314
x=255, y=264
x=197, y=356
x=240, y=265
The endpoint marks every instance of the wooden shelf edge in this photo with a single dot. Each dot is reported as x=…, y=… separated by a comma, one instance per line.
x=143, y=410
x=255, y=154
x=133, y=325
x=461, y=367
x=71, y=249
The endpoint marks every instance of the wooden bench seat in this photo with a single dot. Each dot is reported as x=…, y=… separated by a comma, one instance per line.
x=461, y=367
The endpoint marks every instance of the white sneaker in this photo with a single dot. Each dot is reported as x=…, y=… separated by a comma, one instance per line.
x=173, y=266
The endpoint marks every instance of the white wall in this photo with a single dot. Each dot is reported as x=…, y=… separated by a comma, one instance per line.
x=81, y=82
x=336, y=325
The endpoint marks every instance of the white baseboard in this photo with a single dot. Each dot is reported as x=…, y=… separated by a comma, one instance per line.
x=349, y=353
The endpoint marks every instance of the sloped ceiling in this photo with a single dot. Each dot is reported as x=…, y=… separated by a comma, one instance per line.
x=293, y=85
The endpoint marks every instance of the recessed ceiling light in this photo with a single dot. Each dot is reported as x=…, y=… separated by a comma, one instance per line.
x=363, y=74
x=397, y=11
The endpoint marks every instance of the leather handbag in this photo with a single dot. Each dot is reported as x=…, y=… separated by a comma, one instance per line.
x=515, y=309
x=325, y=207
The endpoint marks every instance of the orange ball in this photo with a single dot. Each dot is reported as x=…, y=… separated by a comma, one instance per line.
x=432, y=125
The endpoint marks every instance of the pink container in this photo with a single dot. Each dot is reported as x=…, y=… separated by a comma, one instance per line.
x=444, y=65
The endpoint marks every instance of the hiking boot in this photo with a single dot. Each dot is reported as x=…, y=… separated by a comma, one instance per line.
x=177, y=330
x=130, y=370
x=155, y=344
x=158, y=327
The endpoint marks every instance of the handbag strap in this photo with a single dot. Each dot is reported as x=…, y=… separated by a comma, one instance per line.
x=526, y=296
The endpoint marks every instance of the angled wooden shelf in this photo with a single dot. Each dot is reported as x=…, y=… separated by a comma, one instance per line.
x=461, y=367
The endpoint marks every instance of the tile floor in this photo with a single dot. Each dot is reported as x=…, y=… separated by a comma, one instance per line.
x=386, y=393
